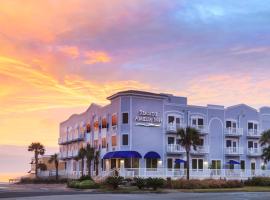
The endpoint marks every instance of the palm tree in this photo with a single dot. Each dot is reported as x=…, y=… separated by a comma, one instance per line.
x=189, y=137
x=38, y=149
x=81, y=156
x=96, y=160
x=265, y=138
x=266, y=154
x=54, y=158
x=90, y=151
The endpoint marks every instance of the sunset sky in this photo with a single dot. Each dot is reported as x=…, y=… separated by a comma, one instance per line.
x=56, y=57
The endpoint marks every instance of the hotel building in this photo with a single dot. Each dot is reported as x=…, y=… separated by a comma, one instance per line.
x=136, y=135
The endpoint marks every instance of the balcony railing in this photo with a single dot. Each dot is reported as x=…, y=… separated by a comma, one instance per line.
x=172, y=127
x=233, y=131
x=234, y=150
x=67, y=140
x=253, y=133
x=175, y=148
x=254, y=151
x=203, y=129
x=200, y=150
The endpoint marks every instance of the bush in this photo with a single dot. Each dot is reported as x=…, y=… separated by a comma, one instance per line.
x=114, y=181
x=258, y=181
x=85, y=177
x=27, y=180
x=155, y=183
x=86, y=184
x=140, y=182
x=204, y=184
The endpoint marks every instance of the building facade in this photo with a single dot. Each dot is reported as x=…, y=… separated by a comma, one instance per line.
x=136, y=135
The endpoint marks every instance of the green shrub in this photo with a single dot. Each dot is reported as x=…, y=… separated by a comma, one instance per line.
x=86, y=184
x=82, y=178
x=140, y=182
x=258, y=181
x=155, y=183
x=114, y=181
x=204, y=184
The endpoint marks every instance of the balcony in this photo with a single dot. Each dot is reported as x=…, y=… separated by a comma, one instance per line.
x=203, y=129
x=234, y=151
x=236, y=132
x=63, y=155
x=200, y=150
x=254, y=151
x=172, y=127
x=175, y=148
x=254, y=133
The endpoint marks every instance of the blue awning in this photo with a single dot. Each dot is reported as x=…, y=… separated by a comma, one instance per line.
x=122, y=154
x=179, y=161
x=152, y=154
x=233, y=162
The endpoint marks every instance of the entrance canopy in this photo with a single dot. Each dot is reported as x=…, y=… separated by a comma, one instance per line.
x=122, y=154
x=233, y=162
x=152, y=155
x=179, y=161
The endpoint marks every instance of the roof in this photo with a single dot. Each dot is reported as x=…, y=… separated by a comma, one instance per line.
x=138, y=93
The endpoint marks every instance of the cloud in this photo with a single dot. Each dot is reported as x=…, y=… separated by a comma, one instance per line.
x=93, y=57
x=251, y=50
x=71, y=51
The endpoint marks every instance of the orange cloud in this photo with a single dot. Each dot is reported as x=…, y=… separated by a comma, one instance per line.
x=71, y=51
x=93, y=57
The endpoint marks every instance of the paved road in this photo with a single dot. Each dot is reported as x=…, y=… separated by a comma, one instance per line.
x=173, y=196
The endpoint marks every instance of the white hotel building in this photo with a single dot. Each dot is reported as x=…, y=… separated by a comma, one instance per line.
x=136, y=135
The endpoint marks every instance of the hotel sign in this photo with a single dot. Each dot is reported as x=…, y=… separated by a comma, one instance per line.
x=149, y=119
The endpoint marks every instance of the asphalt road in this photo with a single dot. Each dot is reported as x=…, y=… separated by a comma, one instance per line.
x=173, y=196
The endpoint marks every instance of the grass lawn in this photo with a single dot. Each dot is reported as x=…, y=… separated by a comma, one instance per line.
x=243, y=189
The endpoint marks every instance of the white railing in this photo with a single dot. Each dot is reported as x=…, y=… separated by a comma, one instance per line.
x=254, y=151
x=175, y=148
x=254, y=133
x=233, y=131
x=200, y=150
x=234, y=150
x=194, y=173
x=173, y=127
x=202, y=128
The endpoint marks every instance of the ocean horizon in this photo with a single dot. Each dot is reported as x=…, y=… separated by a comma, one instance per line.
x=4, y=177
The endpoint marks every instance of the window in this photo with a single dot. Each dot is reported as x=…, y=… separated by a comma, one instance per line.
x=114, y=142
x=216, y=164
x=96, y=125
x=201, y=142
x=230, y=124
x=88, y=128
x=125, y=118
x=200, y=121
x=228, y=143
x=231, y=166
x=170, y=119
x=177, y=120
x=114, y=120
x=169, y=163
x=250, y=144
x=151, y=163
x=104, y=123
x=197, y=164
x=242, y=163
x=170, y=140
x=125, y=139
x=103, y=143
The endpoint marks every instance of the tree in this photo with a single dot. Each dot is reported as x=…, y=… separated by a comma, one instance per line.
x=189, y=138
x=38, y=149
x=90, y=151
x=266, y=154
x=265, y=138
x=54, y=159
x=81, y=156
x=96, y=161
